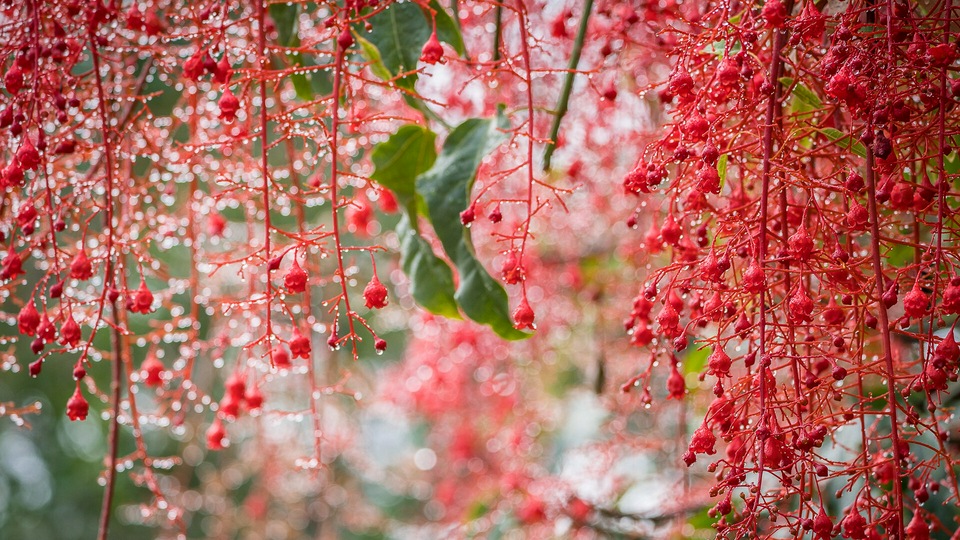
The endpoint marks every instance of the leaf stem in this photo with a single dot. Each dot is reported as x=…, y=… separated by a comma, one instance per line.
x=564, y=101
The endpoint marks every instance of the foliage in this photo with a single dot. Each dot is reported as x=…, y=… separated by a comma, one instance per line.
x=361, y=269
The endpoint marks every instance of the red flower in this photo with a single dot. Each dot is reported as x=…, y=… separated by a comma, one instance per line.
x=77, y=406
x=703, y=441
x=669, y=321
x=235, y=386
x=216, y=435
x=375, y=294
x=216, y=224
x=801, y=307
x=300, y=345
x=254, y=398
x=719, y=362
x=754, y=279
x=532, y=511
x=822, y=526
x=81, y=268
x=915, y=302
x=280, y=357
x=13, y=79
x=947, y=351
x=774, y=13
x=142, y=300
x=28, y=319
x=152, y=371
x=296, y=278
x=918, y=529
x=27, y=156
x=801, y=245
x=70, y=332
x=223, y=71
x=193, y=67
x=854, y=526
x=676, y=386
x=511, y=270
x=523, y=316
x=45, y=330
x=432, y=51
x=229, y=105
x=708, y=179
x=12, y=265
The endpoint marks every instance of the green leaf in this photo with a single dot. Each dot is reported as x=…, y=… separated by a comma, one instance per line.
x=719, y=48
x=286, y=19
x=371, y=54
x=311, y=83
x=900, y=256
x=403, y=157
x=399, y=32
x=722, y=169
x=802, y=93
x=447, y=29
x=431, y=280
x=844, y=141
x=446, y=191
x=694, y=361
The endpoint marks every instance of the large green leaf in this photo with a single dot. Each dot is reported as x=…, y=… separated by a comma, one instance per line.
x=372, y=55
x=398, y=161
x=445, y=189
x=286, y=19
x=447, y=29
x=431, y=280
x=398, y=35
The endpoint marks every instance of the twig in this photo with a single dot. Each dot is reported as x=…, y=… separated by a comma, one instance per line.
x=567, y=84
